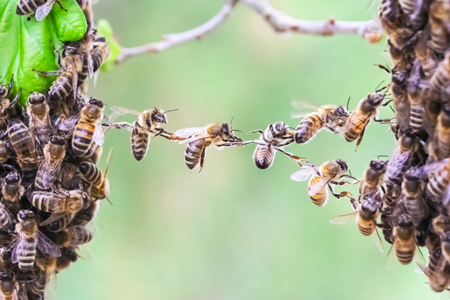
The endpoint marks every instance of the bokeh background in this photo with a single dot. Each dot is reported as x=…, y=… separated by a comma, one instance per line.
x=234, y=231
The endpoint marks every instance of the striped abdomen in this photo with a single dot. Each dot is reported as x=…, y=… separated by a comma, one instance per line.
x=404, y=249
x=307, y=128
x=82, y=138
x=355, y=125
x=438, y=278
x=416, y=116
x=140, y=138
x=91, y=173
x=263, y=156
x=28, y=7
x=390, y=10
x=61, y=223
x=441, y=77
x=80, y=235
x=99, y=55
x=5, y=219
x=83, y=74
x=364, y=226
x=438, y=183
x=193, y=153
x=46, y=201
x=443, y=139
x=26, y=253
x=23, y=143
x=37, y=286
x=62, y=86
x=439, y=38
x=39, y=182
x=416, y=208
x=321, y=197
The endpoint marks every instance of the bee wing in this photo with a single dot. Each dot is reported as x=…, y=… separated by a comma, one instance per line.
x=418, y=257
x=430, y=169
x=47, y=246
x=14, y=295
x=318, y=186
x=343, y=218
x=74, y=80
x=14, y=258
x=69, y=123
x=49, y=176
x=53, y=217
x=446, y=196
x=396, y=163
x=390, y=258
x=302, y=105
x=90, y=63
x=85, y=253
x=43, y=10
x=124, y=111
x=99, y=134
x=303, y=174
x=377, y=240
x=188, y=132
x=193, y=139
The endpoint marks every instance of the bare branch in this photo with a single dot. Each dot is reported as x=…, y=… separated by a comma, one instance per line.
x=174, y=39
x=281, y=22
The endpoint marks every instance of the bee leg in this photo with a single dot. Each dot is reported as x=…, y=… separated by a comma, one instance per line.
x=292, y=156
x=44, y=73
x=331, y=129
x=10, y=85
x=333, y=193
x=160, y=131
x=360, y=138
x=352, y=177
x=257, y=131
x=15, y=98
x=202, y=159
x=60, y=5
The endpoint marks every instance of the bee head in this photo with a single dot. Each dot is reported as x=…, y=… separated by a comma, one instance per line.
x=227, y=133
x=58, y=140
x=96, y=102
x=94, y=109
x=341, y=111
x=378, y=165
x=3, y=91
x=159, y=116
x=12, y=177
x=25, y=215
x=6, y=275
x=342, y=164
x=404, y=221
x=70, y=48
x=279, y=128
x=36, y=98
x=412, y=174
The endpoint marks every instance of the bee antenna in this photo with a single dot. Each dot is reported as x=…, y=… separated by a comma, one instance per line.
x=171, y=110
x=383, y=155
x=290, y=127
x=392, y=109
x=109, y=201
x=379, y=90
x=350, y=172
x=237, y=130
x=231, y=123
x=348, y=101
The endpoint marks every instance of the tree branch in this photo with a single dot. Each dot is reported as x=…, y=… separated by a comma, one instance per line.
x=174, y=39
x=281, y=22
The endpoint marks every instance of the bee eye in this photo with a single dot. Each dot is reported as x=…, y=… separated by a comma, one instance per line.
x=53, y=140
x=225, y=131
x=22, y=216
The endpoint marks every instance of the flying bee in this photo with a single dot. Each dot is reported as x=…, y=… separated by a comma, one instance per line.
x=12, y=190
x=331, y=117
x=88, y=127
x=143, y=130
x=5, y=103
x=439, y=21
x=59, y=203
x=360, y=117
x=366, y=214
x=412, y=187
x=8, y=285
x=198, y=139
x=92, y=175
x=404, y=245
x=23, y=144
x=28, y=239
x=41, y=7
x=274, y=138
x=436, y=271
x=54, y=153
x=38, y=110
x=401, y=158
x=325, y=175
x=373, y=178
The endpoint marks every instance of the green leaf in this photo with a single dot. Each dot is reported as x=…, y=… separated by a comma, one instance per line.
x=105, y=29
x=27, y=45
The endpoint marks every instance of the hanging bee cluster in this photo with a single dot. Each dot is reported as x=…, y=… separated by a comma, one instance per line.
x=50, y=184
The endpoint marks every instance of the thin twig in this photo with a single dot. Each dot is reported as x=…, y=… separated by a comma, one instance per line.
x=282, y=22
x=174, y=39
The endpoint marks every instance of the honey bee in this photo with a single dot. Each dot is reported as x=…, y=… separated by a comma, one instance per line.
x=28, y=239
x=36, y=287
x=12, y=190
x=366, y=214
x=143, y=130
x=59, y=203
x=198, y=139
x=5, y=103
x=60, y=224
x=92, y=175
x=325, y=175
x=88, y=129
x=416, y=12
x=23, y=144
x=8, y=285
x=393, y=20
x=439, y=178
x=54, y=153
x=439, y=12
x=100, y=51
x=442, y=133
x=404, y=245
x=412, y=187
x=373, y=178
x=68, y=256
x=73, y=237
x=360, y=117
x=417, y=111
x=331, y=117
x=86, y=215
x=41, y=7
x=436, y=271
x=441, y=77
x=401, y=158
x=393, y=192
x=5, y=151
x=386, y=225
x=422, y=52
x=274, y=138
x=6, y=219
x=38, y=111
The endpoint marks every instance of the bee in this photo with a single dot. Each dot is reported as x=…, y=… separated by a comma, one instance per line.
x=437, y=188
x=12, y=190
x=386, y=225
x=67, y=175
x=404, y=245
x=41, y=7
x=5, y=104
x=54, y=153
x=366, y=214
x=68, y=256
x=325, y=175
x=59, y=203
x=393, y=20
x=7, y=221
x=439, y=12
x=92, y=175
x=36, y=287
x=73, y=237
x=412, y=187
x=38, y=110
x=274, y=138
x=422, y=52
x=416, y=11
x=5, y=151
x=8, y=284
x=100, y=51
x=60, y=224
x=436, y=271
x=417, y=111
x=393, y=192
x=89, y=128
x=441, y=77
x=331, y=117
x=360, y=117
x=442, y=133
x=22, y=142
x=373, y=178
x=198, y=139
x=28, y=239
x=86, y=215
x=401, y=158
x=143, y=130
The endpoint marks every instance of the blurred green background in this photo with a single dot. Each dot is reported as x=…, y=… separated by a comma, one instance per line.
x=234, y=231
